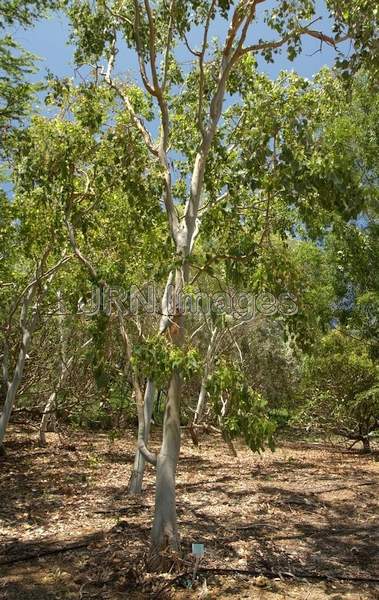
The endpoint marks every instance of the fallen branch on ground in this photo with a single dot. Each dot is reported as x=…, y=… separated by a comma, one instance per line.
x=253, y=526
x=266, y=573
x=52, y=548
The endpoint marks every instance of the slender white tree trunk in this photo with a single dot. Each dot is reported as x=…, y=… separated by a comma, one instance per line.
x=46, y=417
x=225, y=434
x=27, y=326
x=201, y=400
x=13, y=386
x=207, y=367
x=136, y=477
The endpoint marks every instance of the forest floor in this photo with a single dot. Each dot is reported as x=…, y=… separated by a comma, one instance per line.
x=303, y=520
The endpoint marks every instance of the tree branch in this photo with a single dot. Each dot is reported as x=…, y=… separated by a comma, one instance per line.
x=157, y=91
x=271, y=45
x=201, y=57
x=79, y=254
x=230, y=54
x=168, y=45
x=136, y=118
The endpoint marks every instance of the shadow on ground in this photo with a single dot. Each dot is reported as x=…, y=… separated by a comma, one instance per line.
x=301, y=512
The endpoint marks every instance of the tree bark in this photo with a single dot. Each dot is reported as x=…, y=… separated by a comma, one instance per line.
x=27, y=327
x=13, y=387
x=136, y=477
x=225, y=434
x=164, y=534
x=165, y=531
x=202, y=399
x=199, y=409
x=46, y=417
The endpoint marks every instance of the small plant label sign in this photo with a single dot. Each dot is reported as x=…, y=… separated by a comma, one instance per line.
x=198, y=550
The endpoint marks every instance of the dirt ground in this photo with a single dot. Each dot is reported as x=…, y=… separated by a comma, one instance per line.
x=303, y=521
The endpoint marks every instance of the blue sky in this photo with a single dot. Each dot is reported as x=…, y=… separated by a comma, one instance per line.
x=48, y=40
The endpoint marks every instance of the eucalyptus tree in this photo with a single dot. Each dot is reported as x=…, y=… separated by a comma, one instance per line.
x=176, y=104
x=26, y=307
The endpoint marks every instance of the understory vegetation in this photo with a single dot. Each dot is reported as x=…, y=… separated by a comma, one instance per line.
x=189, y=244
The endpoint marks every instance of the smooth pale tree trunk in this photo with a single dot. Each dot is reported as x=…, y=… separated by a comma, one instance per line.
x=198, y=412
x=46, y=417
x=202, y=399
x=136, y=477
x=203, y=389
x=201, y=402
x=12, y=386
x=165, y=531
x=225, y=434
